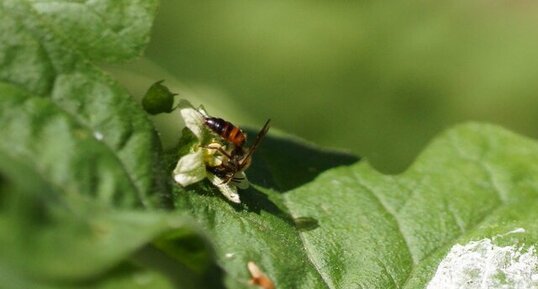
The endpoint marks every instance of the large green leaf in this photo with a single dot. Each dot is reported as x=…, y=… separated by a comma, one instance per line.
x=39, y=58
x=79, y=162
x=63, y=196
x=369, y=230
x=110, y=30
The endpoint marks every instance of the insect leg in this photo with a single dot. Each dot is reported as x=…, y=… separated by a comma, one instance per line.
x=220, y=150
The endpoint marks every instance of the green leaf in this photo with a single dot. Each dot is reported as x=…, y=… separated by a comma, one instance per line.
x=61, y=149
x=123, y=277
x=46, y=227
x=102, y=29
x=80, y=164
x=37, y=58
x=369, y=230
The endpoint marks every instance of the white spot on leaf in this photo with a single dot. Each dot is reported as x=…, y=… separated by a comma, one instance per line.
x=98, y=135
x=516, y=231
x=483, y=264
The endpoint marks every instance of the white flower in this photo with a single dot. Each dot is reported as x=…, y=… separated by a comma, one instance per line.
x=228, y=190
x=191, y=168
x=193, y=118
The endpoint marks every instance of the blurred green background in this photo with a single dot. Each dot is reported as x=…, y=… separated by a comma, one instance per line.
x=378, y=78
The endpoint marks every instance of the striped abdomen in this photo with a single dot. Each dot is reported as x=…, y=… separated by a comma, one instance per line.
x=226, y=130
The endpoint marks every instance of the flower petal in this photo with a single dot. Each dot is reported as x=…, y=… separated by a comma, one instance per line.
x=228, y=190
x=240, y=180
x=190, y=168
x=193, y=118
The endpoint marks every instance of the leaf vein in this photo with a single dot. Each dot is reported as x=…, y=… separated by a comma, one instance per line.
x=497, y=190
x=395, y=219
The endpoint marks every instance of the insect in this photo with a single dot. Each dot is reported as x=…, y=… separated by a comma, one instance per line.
x=222, y=128
x=226, y=130
x=238, y=159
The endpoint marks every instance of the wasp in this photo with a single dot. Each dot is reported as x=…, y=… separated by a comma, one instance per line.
x=226, y=130
x=238, y=159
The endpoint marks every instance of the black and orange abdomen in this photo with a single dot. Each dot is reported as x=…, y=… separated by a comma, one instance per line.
x=226, y=130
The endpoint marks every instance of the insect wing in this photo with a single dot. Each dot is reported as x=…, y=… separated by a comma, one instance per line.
x=202, y=111
x=256, y=143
